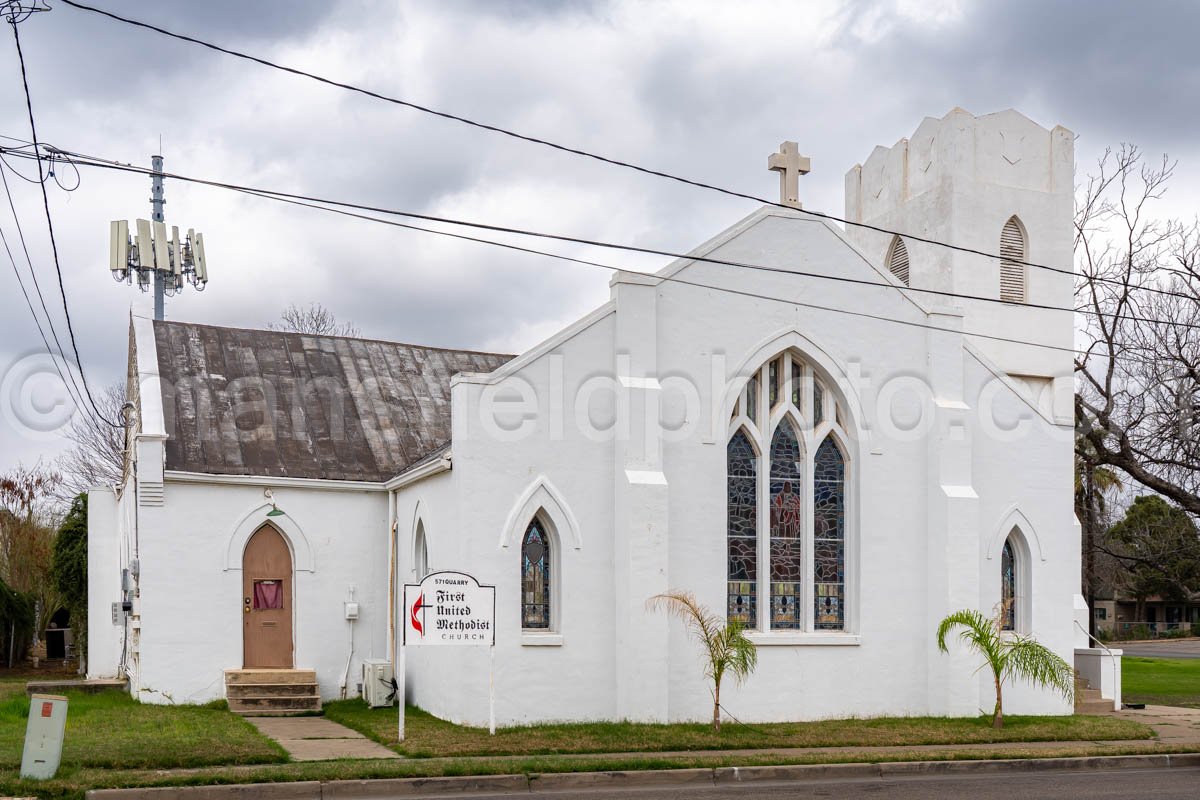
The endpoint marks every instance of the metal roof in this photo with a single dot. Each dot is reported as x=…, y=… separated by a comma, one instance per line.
x=282, y=404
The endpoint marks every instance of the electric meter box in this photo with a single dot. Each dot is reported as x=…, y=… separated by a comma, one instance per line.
x=44, y=736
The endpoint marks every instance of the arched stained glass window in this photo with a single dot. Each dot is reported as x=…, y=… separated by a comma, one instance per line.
x=779, y=545
x=787, y=528
x=1008, y=587
x=829, y=537
x=742, y=528
x=535, y=577
x=421, y=552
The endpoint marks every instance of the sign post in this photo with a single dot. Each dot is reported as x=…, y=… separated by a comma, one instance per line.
x=450, y=609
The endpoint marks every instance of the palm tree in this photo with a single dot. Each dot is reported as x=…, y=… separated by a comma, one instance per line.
x=726, y=647
x=1008, y=655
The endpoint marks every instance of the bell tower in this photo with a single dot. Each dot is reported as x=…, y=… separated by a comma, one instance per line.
x=1000, y=184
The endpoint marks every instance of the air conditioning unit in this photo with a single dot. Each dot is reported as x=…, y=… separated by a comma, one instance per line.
x=379, y=690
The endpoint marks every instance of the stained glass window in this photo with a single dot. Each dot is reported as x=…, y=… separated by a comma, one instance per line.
x=797, y=383
x=742, y=529
x=773, y=378
x=769, y=483
x=1008, y=588
x=829, y=537
x=535, y=577
x=787, y=528
x=421, y=560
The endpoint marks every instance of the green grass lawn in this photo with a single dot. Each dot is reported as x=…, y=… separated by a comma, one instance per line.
x=112, y=730
x=1161, y=681
x=426, y=736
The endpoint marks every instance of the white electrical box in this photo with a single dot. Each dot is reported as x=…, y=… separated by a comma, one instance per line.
x=379, y=689
x=351, y=610
x=44, y=736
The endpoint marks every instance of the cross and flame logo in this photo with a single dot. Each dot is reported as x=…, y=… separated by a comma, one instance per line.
x=418, y=608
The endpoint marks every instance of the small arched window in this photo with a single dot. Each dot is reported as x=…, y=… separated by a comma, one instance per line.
x=898, y=260
x=1008, y=587
x=1012, y=258
x=535, y=577
x=420, y=552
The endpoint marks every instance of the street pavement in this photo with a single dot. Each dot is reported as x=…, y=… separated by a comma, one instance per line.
x=1166, y=648
x=1127, y=784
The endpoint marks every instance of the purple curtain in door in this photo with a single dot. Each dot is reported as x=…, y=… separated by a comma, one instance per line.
x=268, y=594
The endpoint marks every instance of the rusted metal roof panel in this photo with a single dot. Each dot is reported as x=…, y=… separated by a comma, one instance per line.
x=280, y=404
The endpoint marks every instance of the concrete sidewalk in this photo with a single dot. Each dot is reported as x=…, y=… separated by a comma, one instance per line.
x=318, y=739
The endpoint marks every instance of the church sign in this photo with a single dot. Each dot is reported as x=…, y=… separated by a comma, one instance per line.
x=449, y=608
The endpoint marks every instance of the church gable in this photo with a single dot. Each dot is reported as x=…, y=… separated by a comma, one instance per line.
x=274, y=403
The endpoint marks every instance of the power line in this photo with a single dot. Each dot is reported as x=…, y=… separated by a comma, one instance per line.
x=77, y=395
x=91, y=161
x=314, y=203
x=50, y=227
x=547, y=143
x=38, y=323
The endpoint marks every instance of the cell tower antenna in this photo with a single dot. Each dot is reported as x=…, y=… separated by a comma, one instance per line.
x=156, y=261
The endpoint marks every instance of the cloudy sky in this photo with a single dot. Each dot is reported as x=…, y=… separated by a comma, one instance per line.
x=702, y=89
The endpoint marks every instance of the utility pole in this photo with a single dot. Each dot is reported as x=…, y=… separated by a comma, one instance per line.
x=156, y=213
x=154, y=259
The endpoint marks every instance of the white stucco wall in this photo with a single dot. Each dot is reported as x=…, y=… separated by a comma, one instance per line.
x=925, y=506
x=189, y=636
x=104, y=584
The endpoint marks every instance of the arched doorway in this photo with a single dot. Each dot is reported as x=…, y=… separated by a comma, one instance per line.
x=267, y=601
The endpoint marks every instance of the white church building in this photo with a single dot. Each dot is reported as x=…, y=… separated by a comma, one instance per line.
x=834, y=434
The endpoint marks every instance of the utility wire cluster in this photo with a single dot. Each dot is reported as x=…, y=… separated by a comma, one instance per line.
x=16, y=11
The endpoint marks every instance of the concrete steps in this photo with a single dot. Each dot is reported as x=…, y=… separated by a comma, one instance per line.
x=272, y=692
x=1088, y=700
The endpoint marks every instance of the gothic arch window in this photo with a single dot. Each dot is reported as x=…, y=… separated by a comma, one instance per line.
x=898, y=260
x=742, y=529
x=1016, y=583
x=787, y=527
x=829, y=535
x=1012, y=258
x=536, y=577
x=1008, y=587
x=786, y=483
x=420, y=552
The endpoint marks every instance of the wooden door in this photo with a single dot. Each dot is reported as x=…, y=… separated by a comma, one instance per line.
x=267, y=601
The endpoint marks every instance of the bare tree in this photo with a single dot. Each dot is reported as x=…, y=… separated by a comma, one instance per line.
x=1138, y=404
x=316, y=319
x=97, y=455
x=28, y=521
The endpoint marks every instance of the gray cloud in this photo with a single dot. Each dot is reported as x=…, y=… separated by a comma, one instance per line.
x=702, y=89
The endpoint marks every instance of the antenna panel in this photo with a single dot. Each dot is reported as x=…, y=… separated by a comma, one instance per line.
x=162, y=250
x=145, y=245
x=198, y=256
x=118, y=245
x=176, y=253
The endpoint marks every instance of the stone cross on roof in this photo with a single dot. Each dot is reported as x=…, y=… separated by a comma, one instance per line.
x=790, y=165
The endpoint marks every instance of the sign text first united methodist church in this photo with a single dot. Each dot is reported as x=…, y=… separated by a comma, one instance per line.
x=449, y=608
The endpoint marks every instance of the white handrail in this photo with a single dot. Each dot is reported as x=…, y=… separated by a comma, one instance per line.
x=1116, y=679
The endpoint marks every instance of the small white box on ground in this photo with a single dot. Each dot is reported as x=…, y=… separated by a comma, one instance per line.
x=44, y=736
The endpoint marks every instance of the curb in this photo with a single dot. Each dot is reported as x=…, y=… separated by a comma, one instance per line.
x=630, y=779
